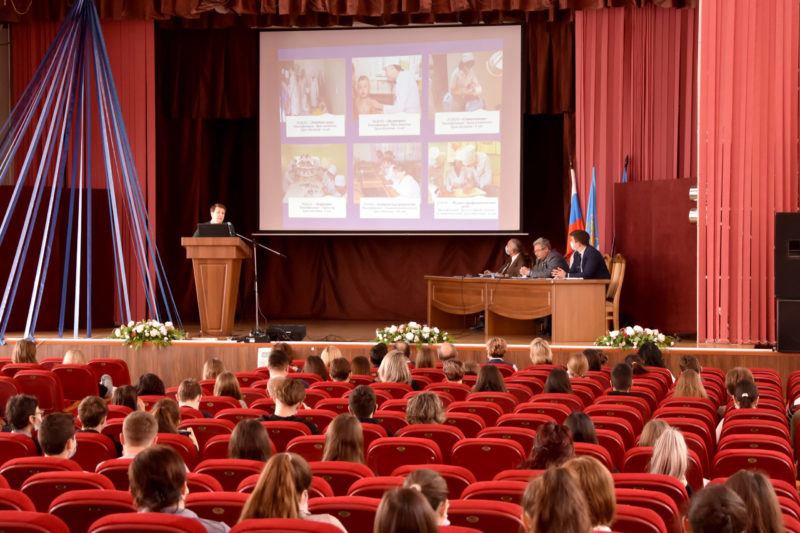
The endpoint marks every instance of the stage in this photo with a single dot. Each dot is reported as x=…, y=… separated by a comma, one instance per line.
x=185, y=358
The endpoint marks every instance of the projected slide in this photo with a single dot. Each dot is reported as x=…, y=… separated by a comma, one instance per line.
x=390, y=130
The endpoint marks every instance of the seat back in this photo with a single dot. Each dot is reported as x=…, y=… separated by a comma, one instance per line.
x=774, y=464
x=150, y=522
x=337, y=405
x=374, y=487
x=181, y=444
x=215, y=404
x=31, y=522
x=220, y=506
x=8, y=388
x=319, y=417
x=334, y=389
x=390, y=420
x=45, y=385
x=386, y=454
x=633, y=519
x=77, y=381
x=573, y=402
x=14, y=445
x=11, y=369
x=505, y=400
x=93, y=448
x=17, y=471
x=664, y=484
x=658, y=502
x=246, y=379
x=487, y=456
x=625, y=412
x=282, y=431
x=443, y=435
x=339, y=474
x=621, y=427
x=488, y=411
x=485, y=515
x=523, y=436
x=229, y=472
x=498, y=490
x=116, y=368
x=44, y=487
x=81, y=508
x=197, y=482
x=458, y=478
x=557, y=411
x=356, y=513
x=611, y=441
x=309, y=447
x=14, y=500
x=283, y=525
x=313, y=396
x=237, y=414
x=396, y=390
x=469, y=424
x=524, y=420
x=596, y=451
x=205, y=428
x=117, y=471
x=436, y=375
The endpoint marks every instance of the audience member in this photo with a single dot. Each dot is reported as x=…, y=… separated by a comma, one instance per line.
x=315, y=365
x=57, y=436
x=24, y=416
x=555, y=502
x=284, y=347
x=278, y=366
x=434, y=488
x=621, y=379
x=717, y=509
x=489, y=380
x=404, y=347
x=582, y=427
x=394, y=369
x=552, y=446
x=598, y=488
x=446, y=351
x=671, y=456
x=471, y=368
x=282, y=492
x=126, y=395
x=75, y=357
x=93, y=412
x=652, y=431
x=158, y=485
x=690, y=362
x=453, y=370
x=250, y=440
x=540, y=352
x=734, y=376
x=168, y=418
x=405, y=511
x=689, y=385
x=228, y=386
x=189, y=395
x=24, y=352
x=376, y=354
x=150, y=385
x=340, y=369
x=596, y=358
x=213, y=368
x=558, y=382
x=577, y=365
x=745, y=396
x=764, y=513
x=425, y=408
x=425, y=358
x=329, y=353
x=139, y=431
x=360, y=365
x=362, y=404
x=289, y=396
x=496, y=350
x=651, y=354
x=637, y=364
x=344, y=440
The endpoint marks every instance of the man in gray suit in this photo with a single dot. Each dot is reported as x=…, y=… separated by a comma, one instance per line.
x=547, y=260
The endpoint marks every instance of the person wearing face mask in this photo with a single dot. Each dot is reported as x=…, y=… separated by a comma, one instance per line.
x=547, y=260
x=57, y=436
x=515, y=262
x=587, y=262
x=24, y=416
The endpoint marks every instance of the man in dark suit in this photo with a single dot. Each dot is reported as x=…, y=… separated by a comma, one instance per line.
x=516, y=260
x=587, y=262
x=547, y=260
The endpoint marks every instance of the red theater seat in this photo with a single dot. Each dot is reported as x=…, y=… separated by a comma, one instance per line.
x=631, y=519
x=220, y=506
x=596, y=451
x=14, y=500
x=625, y=412
x=116, y=368
x=502, y=490
x=518, y=474
x=93, y=448
x=149, y=522
x=214, y=404
x=570, y=400
x=458, y=478
x=117, y=471
x=339, y=474
x=386, y=454
x=641, y=405
x=374, y=487
x=309, y=447
x=320, y=417
x=181, y=444
x=197, y=482
x=81, y=508
x=658, y=502
x=77, y=381
x=469, y=424
x=337, y=405
x=486, y=515
x=229, y=472
x=443, y=435
x=31, y=522
x=523, y=436
x=283, y=525
x=45, y=385
x=505, y=400
x=530, y=421
x=15, y=445
x=774, y=464
x=667, y=485
x=390, y=420
x=44, y=487
x=396, y=390
x=206, y=428
x=356, y=513
x=17, y=471
x=237, y=414
x=282, y=431
x=486, y=456
x=8, y=388
x=334, y=389
x=558, y=412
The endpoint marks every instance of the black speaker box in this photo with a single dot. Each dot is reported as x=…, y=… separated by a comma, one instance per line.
x=789, y=325
x=787, y=256
x=286, y=333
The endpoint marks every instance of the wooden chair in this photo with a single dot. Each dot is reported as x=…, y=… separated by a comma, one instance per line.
x=617, y=271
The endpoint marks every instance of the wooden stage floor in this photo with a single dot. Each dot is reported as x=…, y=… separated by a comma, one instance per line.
x=185, y=358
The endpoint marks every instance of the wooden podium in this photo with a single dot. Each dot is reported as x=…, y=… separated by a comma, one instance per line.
x=217, y=262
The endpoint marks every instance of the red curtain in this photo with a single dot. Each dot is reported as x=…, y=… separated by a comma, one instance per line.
x=748, y=161
x=635, y=85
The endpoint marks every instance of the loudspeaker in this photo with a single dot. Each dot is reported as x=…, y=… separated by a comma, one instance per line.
x=789, y=325
x=286, y=333
x=787, y=256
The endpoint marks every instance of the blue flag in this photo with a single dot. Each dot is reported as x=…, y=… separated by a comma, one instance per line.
x=591, y=212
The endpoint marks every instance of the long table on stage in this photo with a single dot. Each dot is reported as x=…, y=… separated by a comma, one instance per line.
x=577, y=306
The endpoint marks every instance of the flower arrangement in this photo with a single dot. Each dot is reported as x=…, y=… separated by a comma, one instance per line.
x=412, y=333
x=633, y=337
x=135, y=334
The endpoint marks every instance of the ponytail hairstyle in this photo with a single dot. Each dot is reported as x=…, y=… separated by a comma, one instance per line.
x=404, y=511
x=746, y=394
x=554, y=501
x=344, y=440
x=167, y=415
x=277, y=494
x=431, y=484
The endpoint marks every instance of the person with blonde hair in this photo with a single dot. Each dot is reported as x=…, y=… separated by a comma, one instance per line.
x=330, y=353
x=763, y=509
x=405, y=511
x=671, y=456
x=282, y=492
x=394, y=369
x=344, y=440
x=433, y=486
x=495, y=351
x=555, y=502
x=598, y=488
x=74, y=357
x=24, y=352
x=651, y=431
x=227, y=385
x=540, y=352
x=425, y=408
x=689, y=385
x=213, y=368
x=577, y=365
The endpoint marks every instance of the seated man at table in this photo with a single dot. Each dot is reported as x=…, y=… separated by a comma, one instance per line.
x=587, y=262
x=547, y=260
x=516, y=260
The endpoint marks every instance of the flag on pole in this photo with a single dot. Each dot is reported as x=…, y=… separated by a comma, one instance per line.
x=591, y=212
x=575, y=215
x=625, y=170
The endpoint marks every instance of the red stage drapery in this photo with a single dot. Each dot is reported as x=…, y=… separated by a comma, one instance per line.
x=635, y=89
x=748, y=161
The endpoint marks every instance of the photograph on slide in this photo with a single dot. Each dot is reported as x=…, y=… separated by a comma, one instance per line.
x=313, y=100
x=387, y=95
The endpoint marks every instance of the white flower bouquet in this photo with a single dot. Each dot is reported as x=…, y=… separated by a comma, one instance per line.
x=633, y=337
x=135, y=334
x=412, y=333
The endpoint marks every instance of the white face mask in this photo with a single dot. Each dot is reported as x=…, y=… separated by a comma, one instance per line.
x=573, y=246
x=303, y=504
x=507, y=252
x=74, y=450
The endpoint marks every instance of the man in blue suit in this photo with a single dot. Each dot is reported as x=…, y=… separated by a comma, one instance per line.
x=587, y=262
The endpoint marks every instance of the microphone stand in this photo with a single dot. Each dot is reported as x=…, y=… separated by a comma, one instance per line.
x=258, y=332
